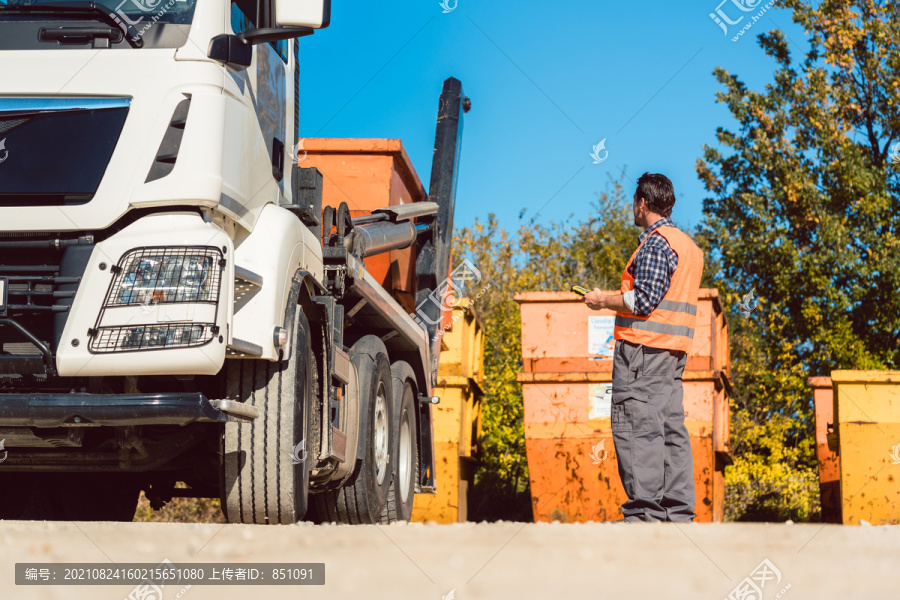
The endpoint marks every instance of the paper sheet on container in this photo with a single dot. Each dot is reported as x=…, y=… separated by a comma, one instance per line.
x=600, y=401
x=600, y=337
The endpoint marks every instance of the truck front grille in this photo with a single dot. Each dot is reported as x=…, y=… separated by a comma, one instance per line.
x=42, y=273
x=36, y=288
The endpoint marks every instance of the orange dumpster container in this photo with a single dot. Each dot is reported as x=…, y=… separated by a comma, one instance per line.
x=829, y=463
x=567, y=381
x=457, y=419
x=369, y=174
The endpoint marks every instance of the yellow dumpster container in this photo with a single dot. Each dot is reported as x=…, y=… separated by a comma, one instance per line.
x=867, y=428
x=457, y=419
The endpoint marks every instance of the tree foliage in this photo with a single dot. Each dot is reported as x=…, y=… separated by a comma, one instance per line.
x=803, y=212
x=806, y=199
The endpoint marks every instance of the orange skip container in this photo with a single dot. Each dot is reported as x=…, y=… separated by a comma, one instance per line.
x=567, y=381
x=369, y=174
x=826, y=456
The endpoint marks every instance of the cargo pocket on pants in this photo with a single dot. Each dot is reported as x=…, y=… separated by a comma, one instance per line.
x=630, y=415
x=635, y=406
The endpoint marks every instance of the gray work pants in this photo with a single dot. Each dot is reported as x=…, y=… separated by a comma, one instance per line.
x=652, y=444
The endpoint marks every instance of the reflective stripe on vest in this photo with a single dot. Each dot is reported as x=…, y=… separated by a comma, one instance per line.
x=685, y=307
x=635, y=323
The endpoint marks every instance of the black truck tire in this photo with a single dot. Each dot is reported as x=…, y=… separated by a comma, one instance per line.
x=266, y=463
x=364, y=496
x=405, y=455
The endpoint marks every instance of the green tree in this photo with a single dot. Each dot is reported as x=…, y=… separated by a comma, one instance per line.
x=500, y=483
x=803, y=213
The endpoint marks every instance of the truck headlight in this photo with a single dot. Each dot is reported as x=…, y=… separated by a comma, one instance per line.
x=151, y=337
x=165, y=275
x=162, y=275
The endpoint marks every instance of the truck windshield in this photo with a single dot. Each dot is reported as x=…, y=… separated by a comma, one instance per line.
x=167, y=11
x=141, y=21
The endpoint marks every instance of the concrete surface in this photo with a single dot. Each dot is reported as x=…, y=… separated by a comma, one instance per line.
x=501, y=560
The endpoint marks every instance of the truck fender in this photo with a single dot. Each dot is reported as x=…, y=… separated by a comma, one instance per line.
x=302, y=282
x=361, y=354
x=401, y=372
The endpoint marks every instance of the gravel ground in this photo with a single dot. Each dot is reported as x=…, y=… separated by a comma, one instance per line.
x=499, y=560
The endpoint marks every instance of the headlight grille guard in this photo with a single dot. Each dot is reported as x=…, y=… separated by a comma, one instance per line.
x=135, y=337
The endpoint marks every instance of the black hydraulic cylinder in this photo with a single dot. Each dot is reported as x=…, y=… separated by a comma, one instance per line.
x=433, y=249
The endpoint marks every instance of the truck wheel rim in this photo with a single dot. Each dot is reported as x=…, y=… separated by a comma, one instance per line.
x=381, y=436
x=405, y=457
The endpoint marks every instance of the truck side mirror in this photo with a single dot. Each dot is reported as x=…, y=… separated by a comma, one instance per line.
x=231, y=50
x=315, y=14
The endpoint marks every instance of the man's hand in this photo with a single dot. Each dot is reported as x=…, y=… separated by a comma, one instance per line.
x=595, y=299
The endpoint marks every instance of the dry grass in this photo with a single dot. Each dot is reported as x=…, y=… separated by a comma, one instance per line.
x=180, y=510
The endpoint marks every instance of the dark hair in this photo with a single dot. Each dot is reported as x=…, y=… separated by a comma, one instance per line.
x=657, y=190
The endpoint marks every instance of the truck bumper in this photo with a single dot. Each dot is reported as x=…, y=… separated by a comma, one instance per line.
x=116, y=410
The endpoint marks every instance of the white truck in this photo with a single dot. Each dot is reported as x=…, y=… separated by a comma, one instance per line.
x=175, y=306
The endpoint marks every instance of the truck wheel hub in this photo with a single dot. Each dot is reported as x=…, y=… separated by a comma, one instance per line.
x=381, y=436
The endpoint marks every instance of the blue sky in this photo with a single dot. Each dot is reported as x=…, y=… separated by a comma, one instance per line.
x=546, y=83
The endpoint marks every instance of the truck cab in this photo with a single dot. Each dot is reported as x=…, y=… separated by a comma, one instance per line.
x=172, y=295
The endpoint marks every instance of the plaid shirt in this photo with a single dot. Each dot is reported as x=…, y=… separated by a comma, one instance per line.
x=652, y=269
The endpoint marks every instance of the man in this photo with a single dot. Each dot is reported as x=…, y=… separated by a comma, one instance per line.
x=654, y=329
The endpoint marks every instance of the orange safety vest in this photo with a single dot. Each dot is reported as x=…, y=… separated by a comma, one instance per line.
x=670, y=325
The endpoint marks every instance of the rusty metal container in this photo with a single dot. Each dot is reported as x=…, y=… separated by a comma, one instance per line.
x=867, y=435
x=369, y=174
x=561, y=335
x=567, y=381
x=829, y=464
x=457, y=419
